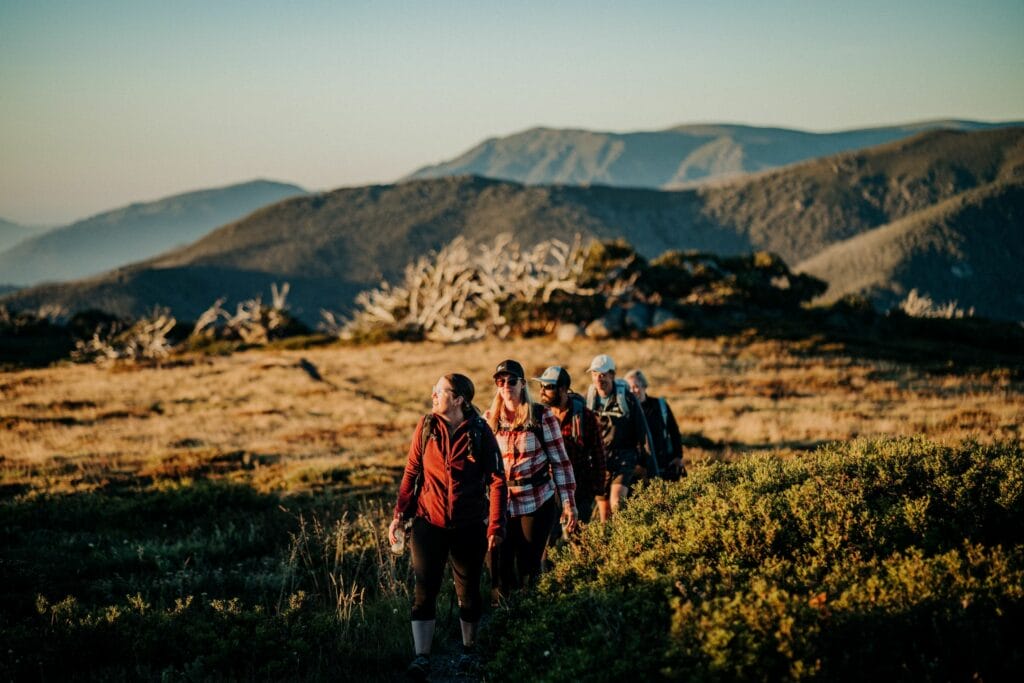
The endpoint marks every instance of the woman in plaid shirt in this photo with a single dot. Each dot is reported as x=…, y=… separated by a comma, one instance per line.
x=536, y=467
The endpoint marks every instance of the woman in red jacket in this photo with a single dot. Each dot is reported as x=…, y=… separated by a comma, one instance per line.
x=454, y=491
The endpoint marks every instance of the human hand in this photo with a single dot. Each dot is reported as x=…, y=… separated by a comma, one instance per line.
x=569, y=520
x=493, y=541
x=395, y=523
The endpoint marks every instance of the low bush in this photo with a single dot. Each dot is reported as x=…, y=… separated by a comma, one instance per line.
x=887, y=560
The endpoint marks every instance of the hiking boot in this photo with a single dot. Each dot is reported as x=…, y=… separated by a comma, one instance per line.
x=419, y=669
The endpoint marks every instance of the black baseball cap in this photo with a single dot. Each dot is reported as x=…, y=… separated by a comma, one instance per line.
x=510, y=367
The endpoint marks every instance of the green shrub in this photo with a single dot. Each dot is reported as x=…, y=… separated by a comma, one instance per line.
x=876, y=560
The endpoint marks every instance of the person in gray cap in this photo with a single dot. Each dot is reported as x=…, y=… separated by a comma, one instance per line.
x=581, y=434
x=627, y=440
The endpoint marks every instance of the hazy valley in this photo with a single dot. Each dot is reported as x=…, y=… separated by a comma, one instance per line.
x=132, y=233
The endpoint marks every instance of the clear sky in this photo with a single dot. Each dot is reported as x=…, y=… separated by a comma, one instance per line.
x=107, y=102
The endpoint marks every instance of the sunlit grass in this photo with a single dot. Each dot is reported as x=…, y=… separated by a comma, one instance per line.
x=224, y=516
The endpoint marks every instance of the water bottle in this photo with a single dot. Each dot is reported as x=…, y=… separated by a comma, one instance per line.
x=398, y=547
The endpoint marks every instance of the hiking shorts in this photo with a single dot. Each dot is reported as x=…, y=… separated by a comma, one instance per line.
x=621, y=470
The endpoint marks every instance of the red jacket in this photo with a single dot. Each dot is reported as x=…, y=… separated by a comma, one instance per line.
x=455, y=479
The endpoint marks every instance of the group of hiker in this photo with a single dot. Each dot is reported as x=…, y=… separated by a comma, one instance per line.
x=498, y=488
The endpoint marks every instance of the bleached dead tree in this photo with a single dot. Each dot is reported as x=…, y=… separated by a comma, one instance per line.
x=458, y=293
x=253, y=321
x=146, y=338
x=55, y=313
x=922, y=306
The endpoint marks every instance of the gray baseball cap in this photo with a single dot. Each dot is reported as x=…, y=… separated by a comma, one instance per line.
x=556, y=375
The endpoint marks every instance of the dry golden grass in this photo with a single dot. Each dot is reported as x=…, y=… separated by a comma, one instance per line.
x=260, y=417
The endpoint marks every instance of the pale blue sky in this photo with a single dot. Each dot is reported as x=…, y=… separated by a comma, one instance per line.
x=107, y=102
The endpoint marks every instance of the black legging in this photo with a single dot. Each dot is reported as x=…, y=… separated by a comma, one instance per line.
x=432, y=546
x=523, y=547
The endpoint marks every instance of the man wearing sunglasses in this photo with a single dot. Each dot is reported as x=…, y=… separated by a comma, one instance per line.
x=581, y=434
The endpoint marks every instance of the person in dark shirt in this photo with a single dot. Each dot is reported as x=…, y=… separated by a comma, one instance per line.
x=581, y=434
x=668, y=445
x=627, y=441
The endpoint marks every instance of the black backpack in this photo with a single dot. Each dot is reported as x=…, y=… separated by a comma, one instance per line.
x=578, y=403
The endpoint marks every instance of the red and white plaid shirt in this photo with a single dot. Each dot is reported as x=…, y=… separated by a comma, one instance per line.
x=527, y=458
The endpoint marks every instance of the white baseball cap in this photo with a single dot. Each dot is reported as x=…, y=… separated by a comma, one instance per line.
x=602, y=363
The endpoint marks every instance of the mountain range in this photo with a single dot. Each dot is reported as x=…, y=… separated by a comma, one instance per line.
x=12, y=233
x=678, y=157
x=941, y=184
x=133, y=233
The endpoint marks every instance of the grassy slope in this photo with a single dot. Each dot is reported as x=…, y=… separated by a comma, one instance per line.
x=938, y=251
x=150, y=496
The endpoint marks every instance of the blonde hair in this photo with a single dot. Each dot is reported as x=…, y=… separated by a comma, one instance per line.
x=524, y=414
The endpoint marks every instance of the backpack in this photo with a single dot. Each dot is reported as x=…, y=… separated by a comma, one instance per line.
x=578, y=403
x=622, y=395
x=621, y=389
x=664, y=422
x=476, y=436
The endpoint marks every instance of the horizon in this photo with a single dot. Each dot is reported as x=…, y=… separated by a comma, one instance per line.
x=117, y=103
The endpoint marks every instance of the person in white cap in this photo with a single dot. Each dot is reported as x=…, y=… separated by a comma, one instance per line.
x=627, y=440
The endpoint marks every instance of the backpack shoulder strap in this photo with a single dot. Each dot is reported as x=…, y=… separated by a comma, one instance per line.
x=538, y=421
x=663, y=404
x=426, y=432
x=621, y=395
x=578, y=406
x=478, y=428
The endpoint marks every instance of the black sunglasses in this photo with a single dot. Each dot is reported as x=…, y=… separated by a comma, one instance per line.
x=506, y=379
